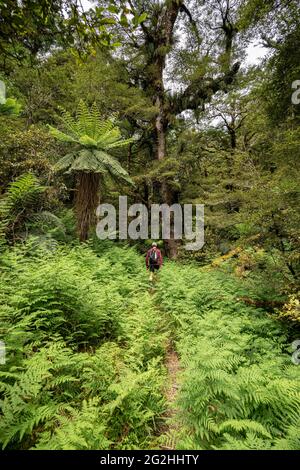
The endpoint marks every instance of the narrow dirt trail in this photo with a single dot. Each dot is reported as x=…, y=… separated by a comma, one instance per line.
x=172, y=364
x=169, y=429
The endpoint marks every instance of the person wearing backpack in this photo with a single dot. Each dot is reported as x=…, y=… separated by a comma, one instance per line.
x=153, y=260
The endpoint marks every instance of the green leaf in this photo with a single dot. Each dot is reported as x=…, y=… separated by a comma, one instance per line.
x=88, y=141
x=142, y=18
x=113, y=9
x=65, y=162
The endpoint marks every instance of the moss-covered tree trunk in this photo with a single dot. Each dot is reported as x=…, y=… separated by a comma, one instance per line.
x=158, y=42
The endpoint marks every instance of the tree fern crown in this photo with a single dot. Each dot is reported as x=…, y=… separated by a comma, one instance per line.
x=95, y=138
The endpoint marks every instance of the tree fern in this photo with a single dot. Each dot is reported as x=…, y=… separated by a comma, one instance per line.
x=95, y=138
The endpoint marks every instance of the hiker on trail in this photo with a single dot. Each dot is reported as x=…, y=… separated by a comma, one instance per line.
x=153, y=260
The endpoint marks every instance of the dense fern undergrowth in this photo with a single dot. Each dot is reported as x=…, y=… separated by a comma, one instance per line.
x=240, y=389
x=85, y=351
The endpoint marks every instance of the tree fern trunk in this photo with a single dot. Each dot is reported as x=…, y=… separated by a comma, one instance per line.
x=87, y=199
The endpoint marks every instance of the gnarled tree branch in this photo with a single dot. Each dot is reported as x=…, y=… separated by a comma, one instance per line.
x=185, y=10
x=201, y=91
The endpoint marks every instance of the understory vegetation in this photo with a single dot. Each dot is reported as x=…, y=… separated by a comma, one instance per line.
x=91, y=374
x=85, y=349
x=240, y=389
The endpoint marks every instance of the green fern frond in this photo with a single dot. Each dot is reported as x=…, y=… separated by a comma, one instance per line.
x=244, y=425
x=21, y=195
x=65, y=162
x=46, y=217
x=87, y=161
x=95, y=137
x=62, y=136
x=113, y=166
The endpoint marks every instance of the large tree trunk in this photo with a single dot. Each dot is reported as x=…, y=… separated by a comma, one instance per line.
x=169, y=196
x=159, y=40
x=87, y=199
x=161, y=125
x=166, y=193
